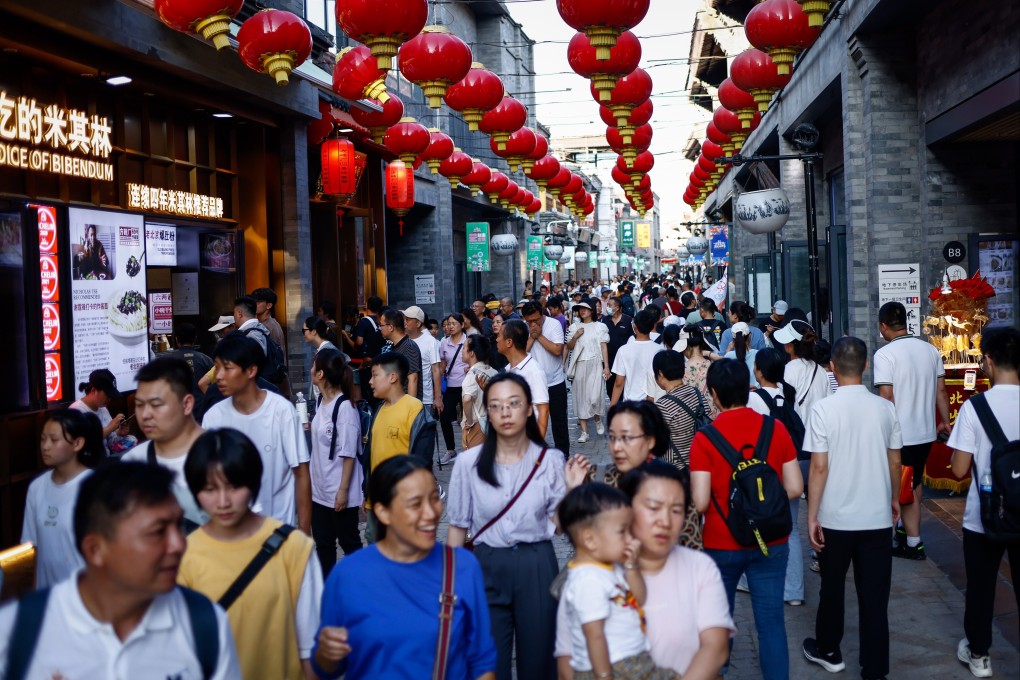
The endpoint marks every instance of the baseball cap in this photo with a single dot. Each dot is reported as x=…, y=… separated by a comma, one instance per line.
x=781, y=307
x=415, y=312
x=103, y=380
x=787, y=334
x=222, y=323
x=742, y=328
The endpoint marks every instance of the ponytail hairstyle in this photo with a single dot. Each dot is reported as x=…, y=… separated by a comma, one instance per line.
x=483, y=348
x=695, y=337
x=335, y=370
x=85, y=426
x=805, y=347
x=321, y=328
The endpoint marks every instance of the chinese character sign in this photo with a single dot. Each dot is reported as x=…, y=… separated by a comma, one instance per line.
x=160, y=245
x=478, y=246
x=535, y=252
x=644, y=235
x=627, y=234
x=719, y=246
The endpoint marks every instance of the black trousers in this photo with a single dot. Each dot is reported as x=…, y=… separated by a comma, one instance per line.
x=871, y=555
x=558, y=414
x=329, y=527
x=610, y=382
x=451, y=402
x=981, y=559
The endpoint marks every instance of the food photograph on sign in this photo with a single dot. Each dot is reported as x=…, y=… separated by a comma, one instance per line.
x=218, y=252
x=92, y=253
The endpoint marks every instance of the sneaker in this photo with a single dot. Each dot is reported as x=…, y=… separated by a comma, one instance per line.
x=980, y=666
x=795, y=603
x=832, y=661
x=742, y=587
x=583, y=438
x=599, y=427
x=448, y=458
x=814, y=566
x=904, y=551
x=899, y=536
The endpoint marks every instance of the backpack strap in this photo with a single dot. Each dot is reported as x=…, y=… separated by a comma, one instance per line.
x=336, y=413
x=723, y=446
x=150, y=454
x=447, y=602
x=27, y=625
x=767, y=398
x=265, y=553
x=679, y=402
x=205, y=630
x=988, y=421
x=761, y=449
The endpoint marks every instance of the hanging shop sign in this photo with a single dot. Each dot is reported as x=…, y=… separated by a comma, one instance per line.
x=627, y=234
x=108, y=294
x=719, y=246
x=160, y=245
x=536, y=252
x=49, y=280
x=42, y=137
x=644, y=235
x=54, y=377
x=593, y=259
x=173, y=202
x=161, y=311
x=478, y=247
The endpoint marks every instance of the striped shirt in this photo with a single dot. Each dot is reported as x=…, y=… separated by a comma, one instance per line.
x=680, y=423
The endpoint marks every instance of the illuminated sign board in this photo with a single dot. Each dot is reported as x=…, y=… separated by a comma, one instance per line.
x=173, y=202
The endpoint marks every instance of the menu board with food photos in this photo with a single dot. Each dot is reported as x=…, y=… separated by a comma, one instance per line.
x=108, y=294
x=998, y=261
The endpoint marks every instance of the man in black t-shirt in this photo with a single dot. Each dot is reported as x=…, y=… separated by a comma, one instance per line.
x=621, y=329
x=391, y=322
x=368, y=337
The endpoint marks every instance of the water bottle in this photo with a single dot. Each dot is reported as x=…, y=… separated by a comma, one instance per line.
x=301, y=405
x=985, y=483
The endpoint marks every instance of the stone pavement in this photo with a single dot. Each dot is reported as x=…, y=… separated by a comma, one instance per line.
x=925, y=610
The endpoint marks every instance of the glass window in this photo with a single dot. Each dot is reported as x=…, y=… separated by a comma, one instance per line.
x=14, y=341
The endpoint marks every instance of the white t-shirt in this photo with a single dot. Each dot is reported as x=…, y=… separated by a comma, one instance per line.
x=277, y=434
x=326, y=474
x=689, y=583
x=811, y=385
x=596, y=592
x=192, y=510
x=634, y=362
x=49, y=526
x=470, y=389
x=429, y=348
x=856, y=429
x=913, y=367
x=551, y=364
x=969, y=436
x=535, y=377
x=758, y=405
x=102, y=413
x=73, y=644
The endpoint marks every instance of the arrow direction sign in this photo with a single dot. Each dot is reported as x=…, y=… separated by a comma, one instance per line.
x=902, y=283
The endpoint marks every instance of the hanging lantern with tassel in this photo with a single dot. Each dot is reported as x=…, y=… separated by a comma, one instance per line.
x=209, y=18
x=275, y=42
x=338, y=175
x=399, y=190
x=382, y=25
x=378, y=122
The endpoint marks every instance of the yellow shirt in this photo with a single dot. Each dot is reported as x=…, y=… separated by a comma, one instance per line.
x=391, y=432
x=262, y=618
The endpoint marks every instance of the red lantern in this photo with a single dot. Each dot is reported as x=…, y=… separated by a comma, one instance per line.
x=754, y=72
x=699, y=177
x=711, y=151
x=640, y=141
x=504, y=119
x=480, y=90
x=357, y=75
x=780, y=28
x=533, y=207
x=338, y=175
x=602, y=20
x=543, y=170
x=559, y=180
x=522, y=198
x=816, y=11
x=508, y=193
x=438, y=150
x=478, y=177
x=706, y=165
x=630, y=92
x=399, y=190
x=275, y=42
x=738, y=101
x=643, y=164
x=728, y=123
x=603, y=74
x=538, y=153
x=433, y=60
x=572, y=187
x=407, y=139
x=517, y=147
x=378, y=122
x=496, y=185
x=638, y=117
x=720, y=138
x=620, y=177
x=382, y=24
x=456, y=167
x=210, y=18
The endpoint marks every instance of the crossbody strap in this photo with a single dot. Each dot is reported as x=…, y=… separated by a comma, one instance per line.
x=454, y=359
x=447, y=602
x=679, y=402
x=988, y=420
x=28, y=624
x=510, y=504
x=336, y=413
x=265, y=553
x=807, y=390
x=205, y=630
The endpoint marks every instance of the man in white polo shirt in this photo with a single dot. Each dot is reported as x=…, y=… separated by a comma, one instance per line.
x=909, y=373
x=513, y=345
x=545, y=344
x=853, y=500
x=122, y=616
x=633, y=362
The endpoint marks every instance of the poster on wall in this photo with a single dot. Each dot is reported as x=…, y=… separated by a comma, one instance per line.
x=478, y=246
x=185, y=293
x=424, y=289
x=108, y=294
x=219, y=252
x=160, y=245
x=997, y=261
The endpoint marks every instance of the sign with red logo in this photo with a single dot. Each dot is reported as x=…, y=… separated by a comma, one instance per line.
x=51, y=326
x=161, y=312
x=49, y=278
x=47, y=216
x=54, y=378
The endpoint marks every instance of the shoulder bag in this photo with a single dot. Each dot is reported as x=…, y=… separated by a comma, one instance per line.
x=470, y=543
x=269, y=548
x=453, y=361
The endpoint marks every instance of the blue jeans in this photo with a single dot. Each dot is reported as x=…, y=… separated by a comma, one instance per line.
x=765, y=577
x=794, y=587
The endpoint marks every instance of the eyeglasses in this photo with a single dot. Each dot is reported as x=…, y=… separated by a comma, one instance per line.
x=500, y=406
x=625, y=439
x=385, y=324
x=306, y=330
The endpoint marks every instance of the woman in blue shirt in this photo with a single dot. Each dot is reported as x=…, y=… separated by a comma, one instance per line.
x=380, y=607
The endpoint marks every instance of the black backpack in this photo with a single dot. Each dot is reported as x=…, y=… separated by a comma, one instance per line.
x=787, y=415
x=759, y=508
x=700, y=415
x=374, y=341
x=1000, y=507
x=275, y=369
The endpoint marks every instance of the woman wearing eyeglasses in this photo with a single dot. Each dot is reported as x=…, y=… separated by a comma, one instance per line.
x=504, y=495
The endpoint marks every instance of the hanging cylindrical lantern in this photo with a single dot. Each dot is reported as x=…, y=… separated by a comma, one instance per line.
x=439, y=149
x=539, y=152
x=503, y=120
x=275, y=42
x=553, y=251
x=603, y=74
x=378, y=122
x=503, y=244
x=433, y=60
x=697, y=245
x=602, y=20
x=338, y=175
x=478, y=177
x=754, y=72
x=382, y=25
x=399, y=190
x=209, y=18
x=479, y=91
x=457, y=166
x=738, y=101
x=357, y=75
x=517, y=147
x=639, y=141
x=544, y=169
x=630, y=92
x=407, y=139
x=496, y=185
x=780, y=28
x=762, y=212
x=816, y=11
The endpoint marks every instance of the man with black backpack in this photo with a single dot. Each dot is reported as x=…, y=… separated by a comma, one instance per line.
x=855, y=440
x=744, y=472
x=275, y=367
x=986, y=443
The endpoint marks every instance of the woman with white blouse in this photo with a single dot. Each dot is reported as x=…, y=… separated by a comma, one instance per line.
x=454, y=368
x=504, y=495
x=478, y=353
x=588, y=343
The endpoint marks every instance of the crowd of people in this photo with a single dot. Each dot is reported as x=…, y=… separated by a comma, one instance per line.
x=212, y=548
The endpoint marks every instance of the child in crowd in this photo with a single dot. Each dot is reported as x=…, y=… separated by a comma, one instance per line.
x=71, y=444
x=122, y=441
x=603, y=598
